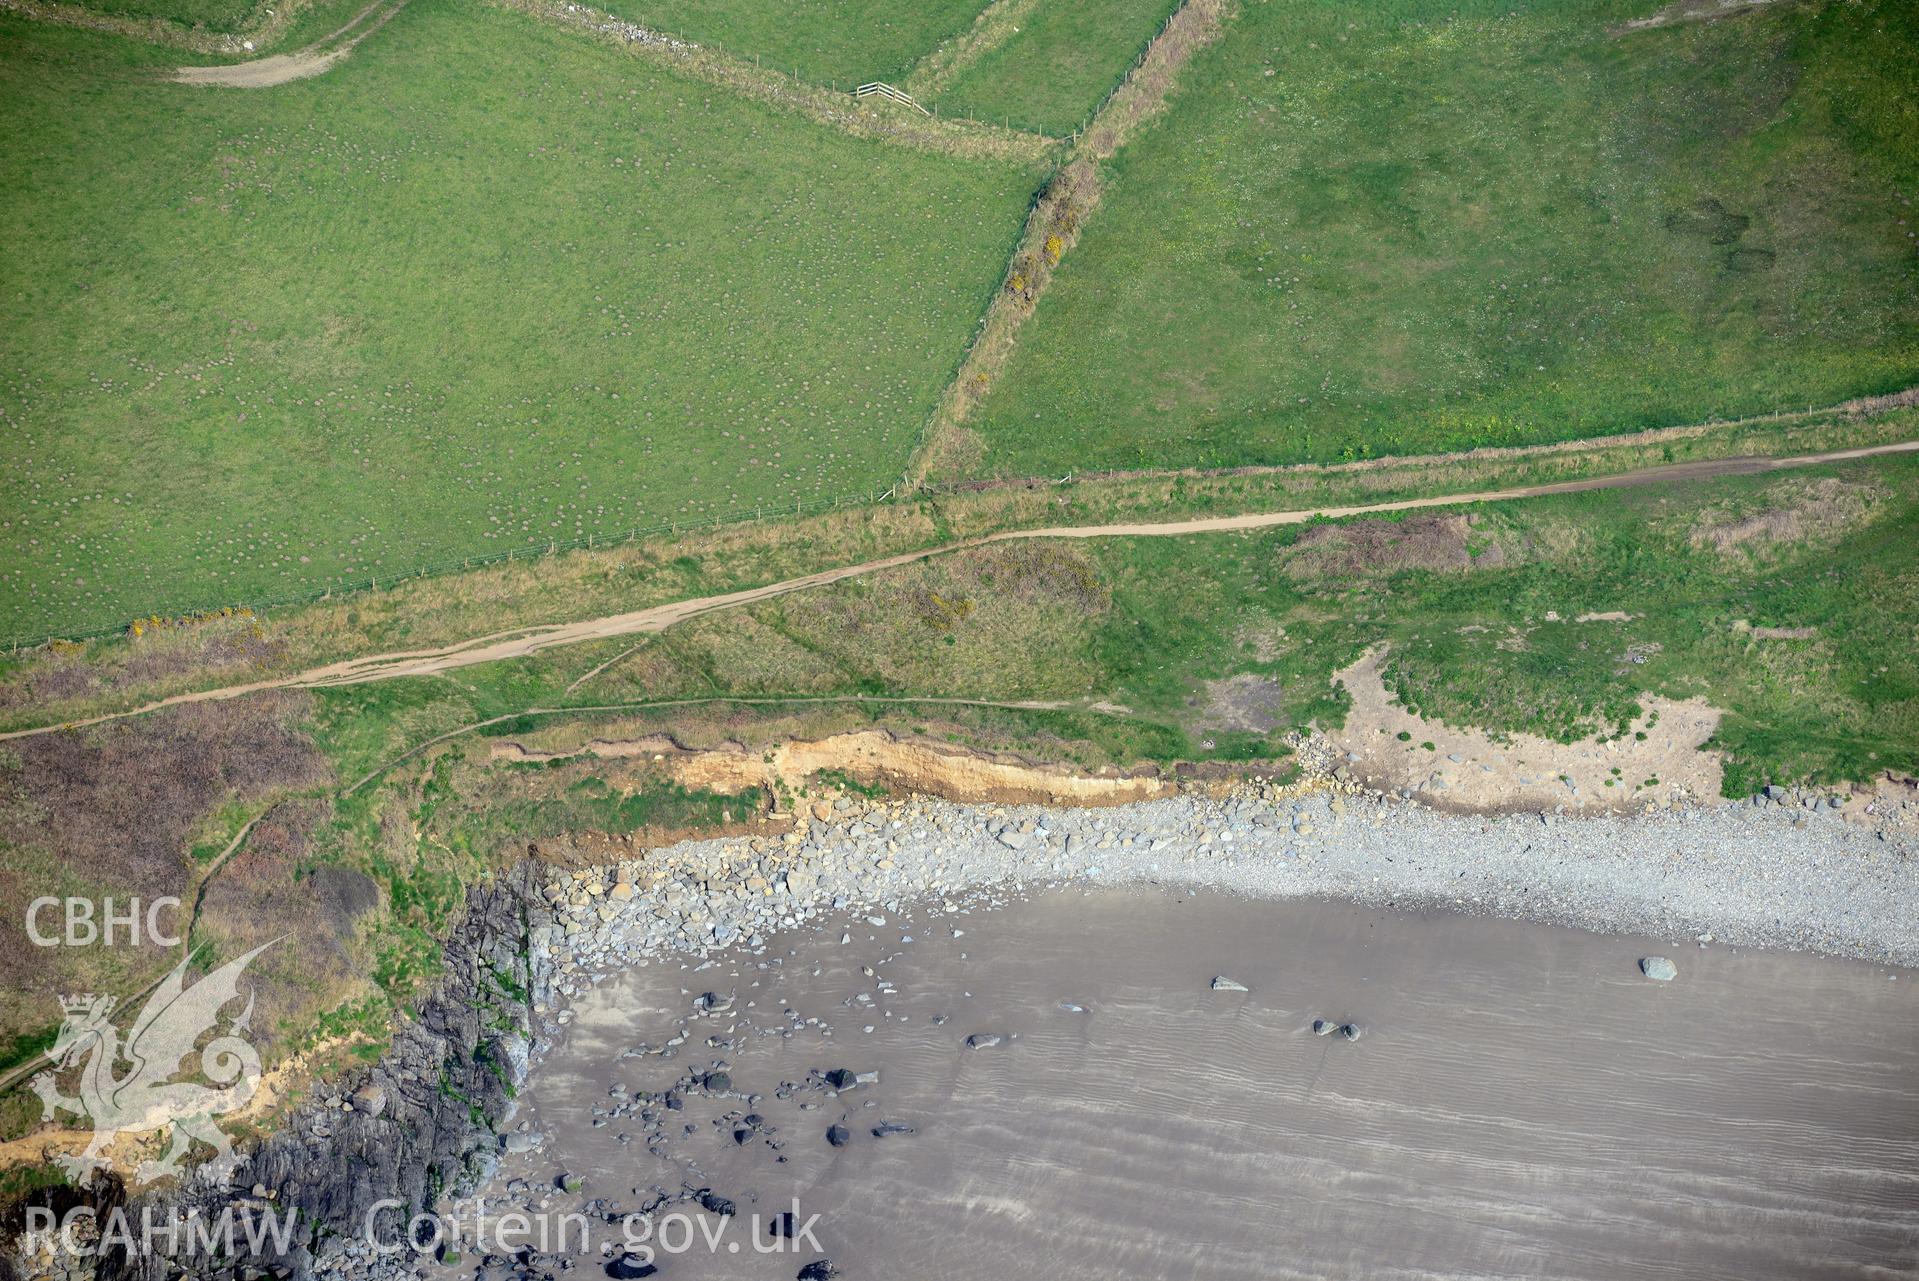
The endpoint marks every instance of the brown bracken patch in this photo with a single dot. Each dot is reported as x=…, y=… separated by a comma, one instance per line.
x=112, y=811
x=1813, y=513
x=1360, y=547
x=261, y=896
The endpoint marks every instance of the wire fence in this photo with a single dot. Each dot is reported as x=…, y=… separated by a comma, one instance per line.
x=462, y=564
x=1074, y=134
x=1126, y=77
x=1005, y=119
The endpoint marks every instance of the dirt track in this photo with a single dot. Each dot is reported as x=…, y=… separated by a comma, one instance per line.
x=657, y=618
x=264, y=73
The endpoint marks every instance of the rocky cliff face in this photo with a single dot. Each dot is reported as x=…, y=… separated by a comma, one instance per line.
x=423, y=1120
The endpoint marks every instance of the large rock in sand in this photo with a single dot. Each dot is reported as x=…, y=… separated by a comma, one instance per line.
x=1658, y=967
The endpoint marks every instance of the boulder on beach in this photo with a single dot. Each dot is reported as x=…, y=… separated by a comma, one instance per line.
x=886, y=1129
x=1223, y=984
x=629, y=1266
x=1351, y=1031
x=840, y=1078
x=838, y=1135
x=1658, y=967
x=818, y=1270
x=984, y=1040
x=1324, y=1027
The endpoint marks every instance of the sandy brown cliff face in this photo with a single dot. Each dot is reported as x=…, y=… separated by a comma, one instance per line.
x=870, y=757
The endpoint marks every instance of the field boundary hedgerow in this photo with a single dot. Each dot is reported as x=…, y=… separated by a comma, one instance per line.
x=1858, y=407
x=1068, y=199
x=832, y=107
x=995, y=25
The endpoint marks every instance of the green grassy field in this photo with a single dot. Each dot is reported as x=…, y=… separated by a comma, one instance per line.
x=835, y=42
x=212, y=15
x=1066, y=58
x=1391, y=229
x=481, y=285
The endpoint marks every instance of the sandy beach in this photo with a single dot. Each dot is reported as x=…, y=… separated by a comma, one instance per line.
x=1055, y=1087
x=1516, y=1097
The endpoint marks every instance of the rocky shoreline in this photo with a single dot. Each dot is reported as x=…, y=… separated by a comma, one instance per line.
x=1791, y=872
x=1786, y=871
x=1772, y=874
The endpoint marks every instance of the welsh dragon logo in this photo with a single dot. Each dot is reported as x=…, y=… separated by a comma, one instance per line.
x=143, y=1097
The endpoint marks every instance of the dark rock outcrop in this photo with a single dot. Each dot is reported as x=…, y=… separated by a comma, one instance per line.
x=423, y=1120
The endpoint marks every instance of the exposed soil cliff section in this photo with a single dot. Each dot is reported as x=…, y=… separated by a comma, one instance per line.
x=869, y=757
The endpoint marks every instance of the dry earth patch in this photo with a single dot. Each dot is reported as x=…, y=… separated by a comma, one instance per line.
x=1660, y=758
